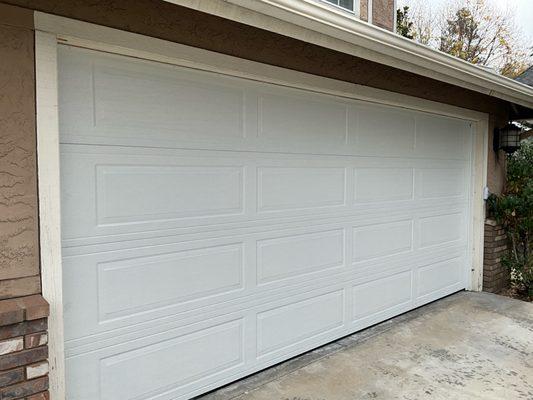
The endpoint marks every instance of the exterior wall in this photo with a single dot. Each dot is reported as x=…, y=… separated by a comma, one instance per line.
x=495, y=276
x=496, y=161
x=23, y=349
x=19, y=250
x=383, y=14
x=23, y=311
x=363, y=10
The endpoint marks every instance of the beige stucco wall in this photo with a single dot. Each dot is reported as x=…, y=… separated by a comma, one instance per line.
x=19, y=252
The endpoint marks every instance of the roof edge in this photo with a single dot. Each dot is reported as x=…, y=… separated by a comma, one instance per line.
x=315, y=22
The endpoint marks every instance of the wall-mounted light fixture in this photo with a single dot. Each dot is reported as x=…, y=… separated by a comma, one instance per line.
x=507, y=138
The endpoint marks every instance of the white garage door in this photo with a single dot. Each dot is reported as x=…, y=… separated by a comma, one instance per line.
x=213, y=226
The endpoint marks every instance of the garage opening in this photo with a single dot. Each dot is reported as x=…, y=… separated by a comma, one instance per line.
x=214, y=226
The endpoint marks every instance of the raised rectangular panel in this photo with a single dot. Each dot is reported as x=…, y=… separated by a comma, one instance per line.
x=169, y=365
x=383, y=184
x=441, y=137
x=150, y=100
x=439, y=276
x=441, y=182
x=440, y=229
x=385, y=131
x=299, y=254
x=382, y=240
x=290, y=324
x=127, y=194
x=75, y=91
x=299, y=188
x=315, y=118
x=381, y=294
x=143, y=283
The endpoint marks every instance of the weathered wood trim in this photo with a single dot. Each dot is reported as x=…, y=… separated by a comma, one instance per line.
x=49, y=202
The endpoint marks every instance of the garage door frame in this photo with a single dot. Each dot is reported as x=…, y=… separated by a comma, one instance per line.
x=52, y=31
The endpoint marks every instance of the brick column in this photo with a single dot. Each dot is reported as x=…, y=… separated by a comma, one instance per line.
x=495, y=276
x=23, y=348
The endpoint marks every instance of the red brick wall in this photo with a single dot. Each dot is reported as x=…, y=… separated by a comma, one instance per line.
x=23, y=349
x=495, y=275
x=383, y=14
x=363, y=10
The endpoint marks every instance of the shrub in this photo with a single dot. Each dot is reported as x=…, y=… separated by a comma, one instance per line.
x=514, y=211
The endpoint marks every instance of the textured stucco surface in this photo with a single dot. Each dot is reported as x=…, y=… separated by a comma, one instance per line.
x=470, y=346
x=19, y=264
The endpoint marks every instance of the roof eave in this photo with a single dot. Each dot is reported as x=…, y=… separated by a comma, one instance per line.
x=311, y=21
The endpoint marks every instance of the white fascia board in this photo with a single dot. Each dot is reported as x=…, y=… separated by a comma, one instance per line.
x=315, y=22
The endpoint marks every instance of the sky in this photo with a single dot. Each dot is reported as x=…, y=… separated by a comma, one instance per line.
x=523, y=8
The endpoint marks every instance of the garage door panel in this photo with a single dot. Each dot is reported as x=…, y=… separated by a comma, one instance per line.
x=100, y=306
x=133, y=194
x=440, y=229
x=128, y=100
x=193, y=357
x=83, y=314
x=382, y=295
x=192, y=104
x=213, y=226
x=108, y=290
x=382, y=240
x=170, y=278
x=383, y=184
x=167, y=366
x=138, y=193
x=440, y=183
x=442, y=137
x=123, y=193
x=303, y=321
x=292, y=256
x=142, y=103
x=75, y=88
x=439, y=276
x=296, y=188
x=296, y=117
x=384, y=131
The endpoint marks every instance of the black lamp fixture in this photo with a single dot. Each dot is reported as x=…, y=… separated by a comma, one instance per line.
x=507, y=138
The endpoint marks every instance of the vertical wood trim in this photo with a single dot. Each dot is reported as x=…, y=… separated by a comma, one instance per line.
x=478, y=206
x=49, y=202
x=357, y=8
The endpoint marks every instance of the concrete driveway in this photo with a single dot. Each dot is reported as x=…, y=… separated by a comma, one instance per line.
x=466, y=346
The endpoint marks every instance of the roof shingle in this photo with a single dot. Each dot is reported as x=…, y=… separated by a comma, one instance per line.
x=526, y=77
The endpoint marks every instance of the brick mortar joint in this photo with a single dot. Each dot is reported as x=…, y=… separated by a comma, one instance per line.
x=22, y=309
